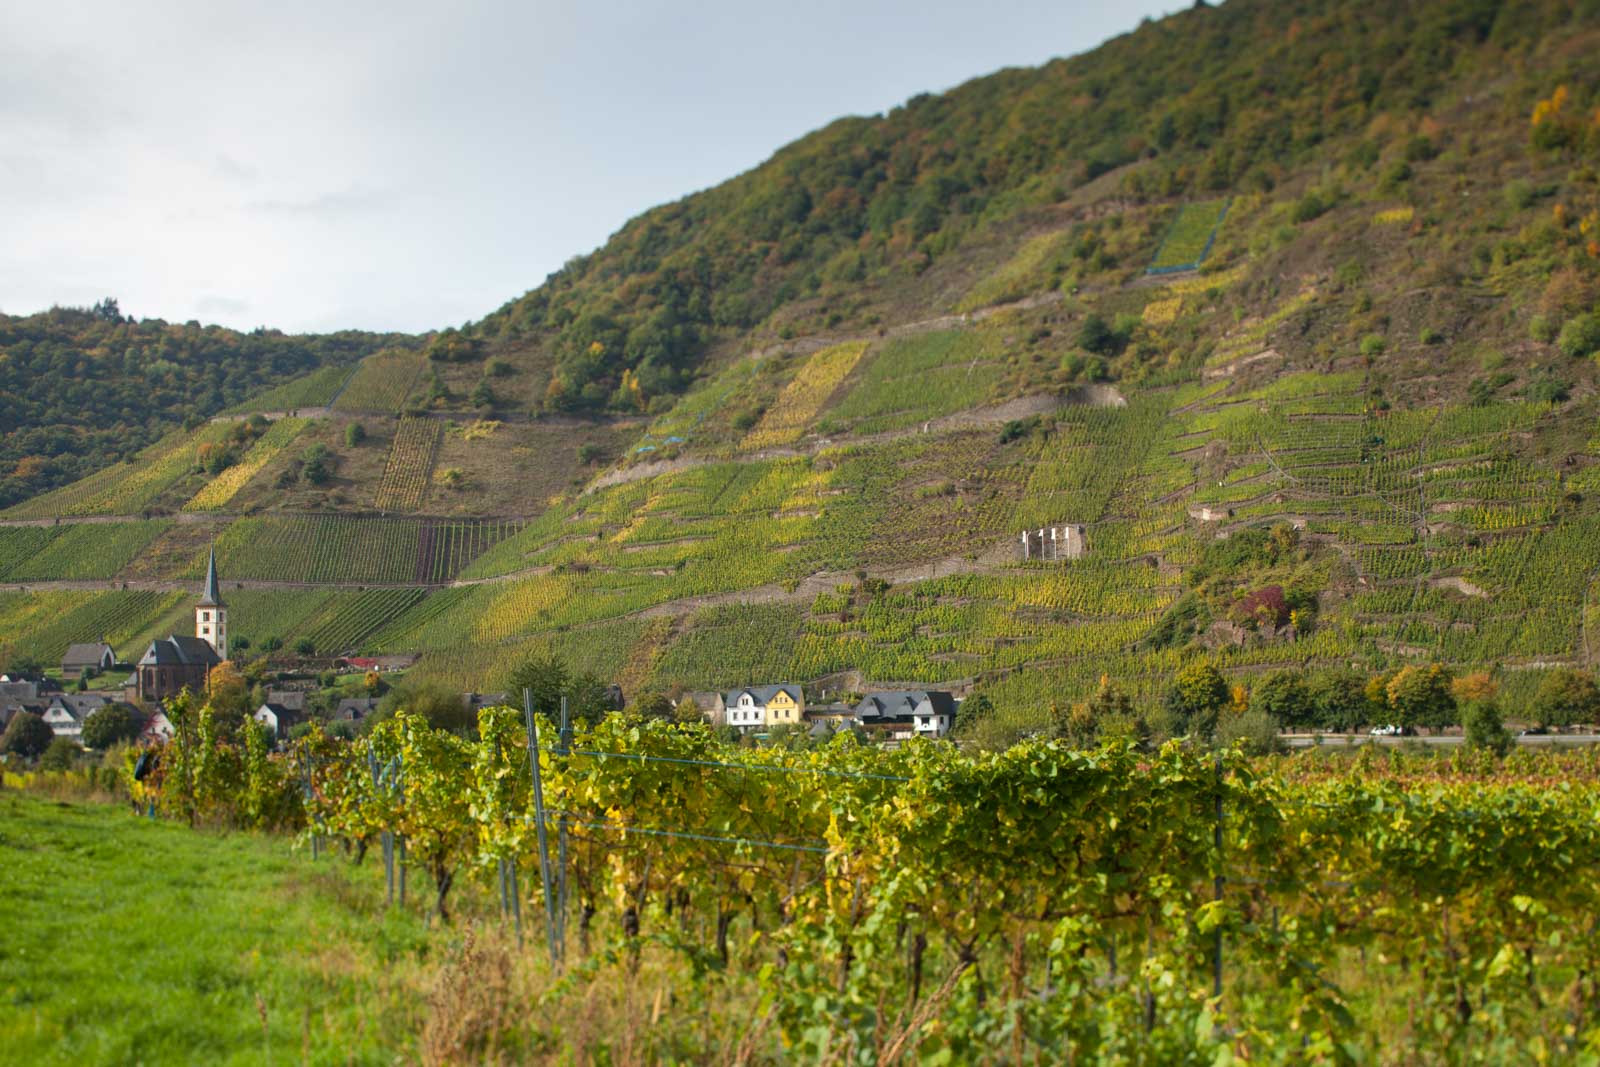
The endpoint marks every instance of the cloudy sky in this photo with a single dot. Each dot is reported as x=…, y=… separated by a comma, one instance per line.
x=315, y=165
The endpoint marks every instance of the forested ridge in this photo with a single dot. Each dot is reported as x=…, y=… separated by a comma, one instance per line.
x=1213, y=100
x=87, y=387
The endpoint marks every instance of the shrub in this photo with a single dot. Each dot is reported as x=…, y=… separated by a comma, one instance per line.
x=354, y=434
x=1485, y=729
x=1431, y=336
x=1547, y=390
x=60, y=754
x=1256, y=730
x=1309, y=207
x=1580, y=336
x=1371, y=345
x=305, y=647
x=1542, y=329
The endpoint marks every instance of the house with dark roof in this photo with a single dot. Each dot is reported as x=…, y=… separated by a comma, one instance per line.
x=80, y=658
x=764, y=706
x=354, y=709
x=710, y=705
x=279, y=717
x=66, y=711
x=174, y=664
x=904, y=713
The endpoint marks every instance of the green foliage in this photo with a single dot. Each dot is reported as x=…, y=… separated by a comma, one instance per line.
x=1565, y=697
x=1580, y=336
x=111, y=725
x=60, y=754
x=1421, y=696
x=1197, y=696
x=27, y=735
x=1285, y=699
x=354, y=435
x=1485, y=729
x=91, y=387
x=1255, y=731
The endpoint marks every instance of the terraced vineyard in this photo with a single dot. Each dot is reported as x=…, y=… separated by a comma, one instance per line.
x=805, y=395
x=1191, y=235
x=913, y=379
x=222, y=488
x=410, y=465
x=445, y=549
x=126, y=488
x=315, y=390
x=333, y=621
x=319, y=549
x=42, y=625
x=73, y=552
x=381, y=383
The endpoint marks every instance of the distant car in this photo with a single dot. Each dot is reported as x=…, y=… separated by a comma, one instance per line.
x=1392, y=730
x=1533, y=731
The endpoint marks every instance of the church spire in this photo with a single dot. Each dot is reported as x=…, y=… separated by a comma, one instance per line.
x=212, y=597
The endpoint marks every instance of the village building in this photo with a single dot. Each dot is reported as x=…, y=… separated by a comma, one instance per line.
x=354, y=709
x=710, y=705
x=281, y=711
x=764, y=706
x=902, y=714
x=66, y=712
x=211, y=614
x=174, y=664
x=87, y=657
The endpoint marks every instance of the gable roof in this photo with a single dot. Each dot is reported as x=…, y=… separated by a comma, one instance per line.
x=763, y=694
x=176, y=651
x=903, y=703
x=88, y=655
x=211, y=597
x=352, y=708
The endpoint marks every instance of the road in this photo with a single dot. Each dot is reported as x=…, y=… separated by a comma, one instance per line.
x=1447, y=740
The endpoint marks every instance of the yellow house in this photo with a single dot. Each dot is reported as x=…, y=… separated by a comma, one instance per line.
x=766, y=706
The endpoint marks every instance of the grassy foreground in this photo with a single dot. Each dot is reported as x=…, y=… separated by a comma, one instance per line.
x=130, y=941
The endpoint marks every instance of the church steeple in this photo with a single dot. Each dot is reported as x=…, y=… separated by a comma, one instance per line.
x=212, y=596
x=211, y=614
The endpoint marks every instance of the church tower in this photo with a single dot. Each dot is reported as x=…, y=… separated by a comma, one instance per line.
x=211, y=614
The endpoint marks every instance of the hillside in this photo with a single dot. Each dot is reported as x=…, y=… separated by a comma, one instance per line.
x=88, y=387
x=1290, y=307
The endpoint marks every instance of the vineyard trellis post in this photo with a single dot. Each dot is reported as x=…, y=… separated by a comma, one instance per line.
x=1216, y=887
x=538, y=816
x=563, y=747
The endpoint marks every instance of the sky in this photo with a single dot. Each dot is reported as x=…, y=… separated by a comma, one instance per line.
x=313, y=166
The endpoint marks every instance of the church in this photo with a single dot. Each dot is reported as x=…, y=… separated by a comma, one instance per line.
x=176, y=663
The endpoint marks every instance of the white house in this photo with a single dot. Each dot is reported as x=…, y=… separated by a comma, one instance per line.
x=909, y=712
x=761, y=706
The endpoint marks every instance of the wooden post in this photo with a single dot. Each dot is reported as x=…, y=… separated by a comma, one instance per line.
x=538, y=815
x=564, y=740
x=1216, y=887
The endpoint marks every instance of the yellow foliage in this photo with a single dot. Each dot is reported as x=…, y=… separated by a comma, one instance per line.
x=1161, y=312
x=1394, y=216
x=803, y=397
x=1550, y=109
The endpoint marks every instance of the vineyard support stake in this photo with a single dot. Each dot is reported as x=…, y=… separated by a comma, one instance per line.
x=538, y=816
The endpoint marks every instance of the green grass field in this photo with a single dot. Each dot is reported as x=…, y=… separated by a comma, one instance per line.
x=134, y=941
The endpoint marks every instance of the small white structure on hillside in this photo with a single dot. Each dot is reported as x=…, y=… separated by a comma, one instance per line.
x=1054, y=542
